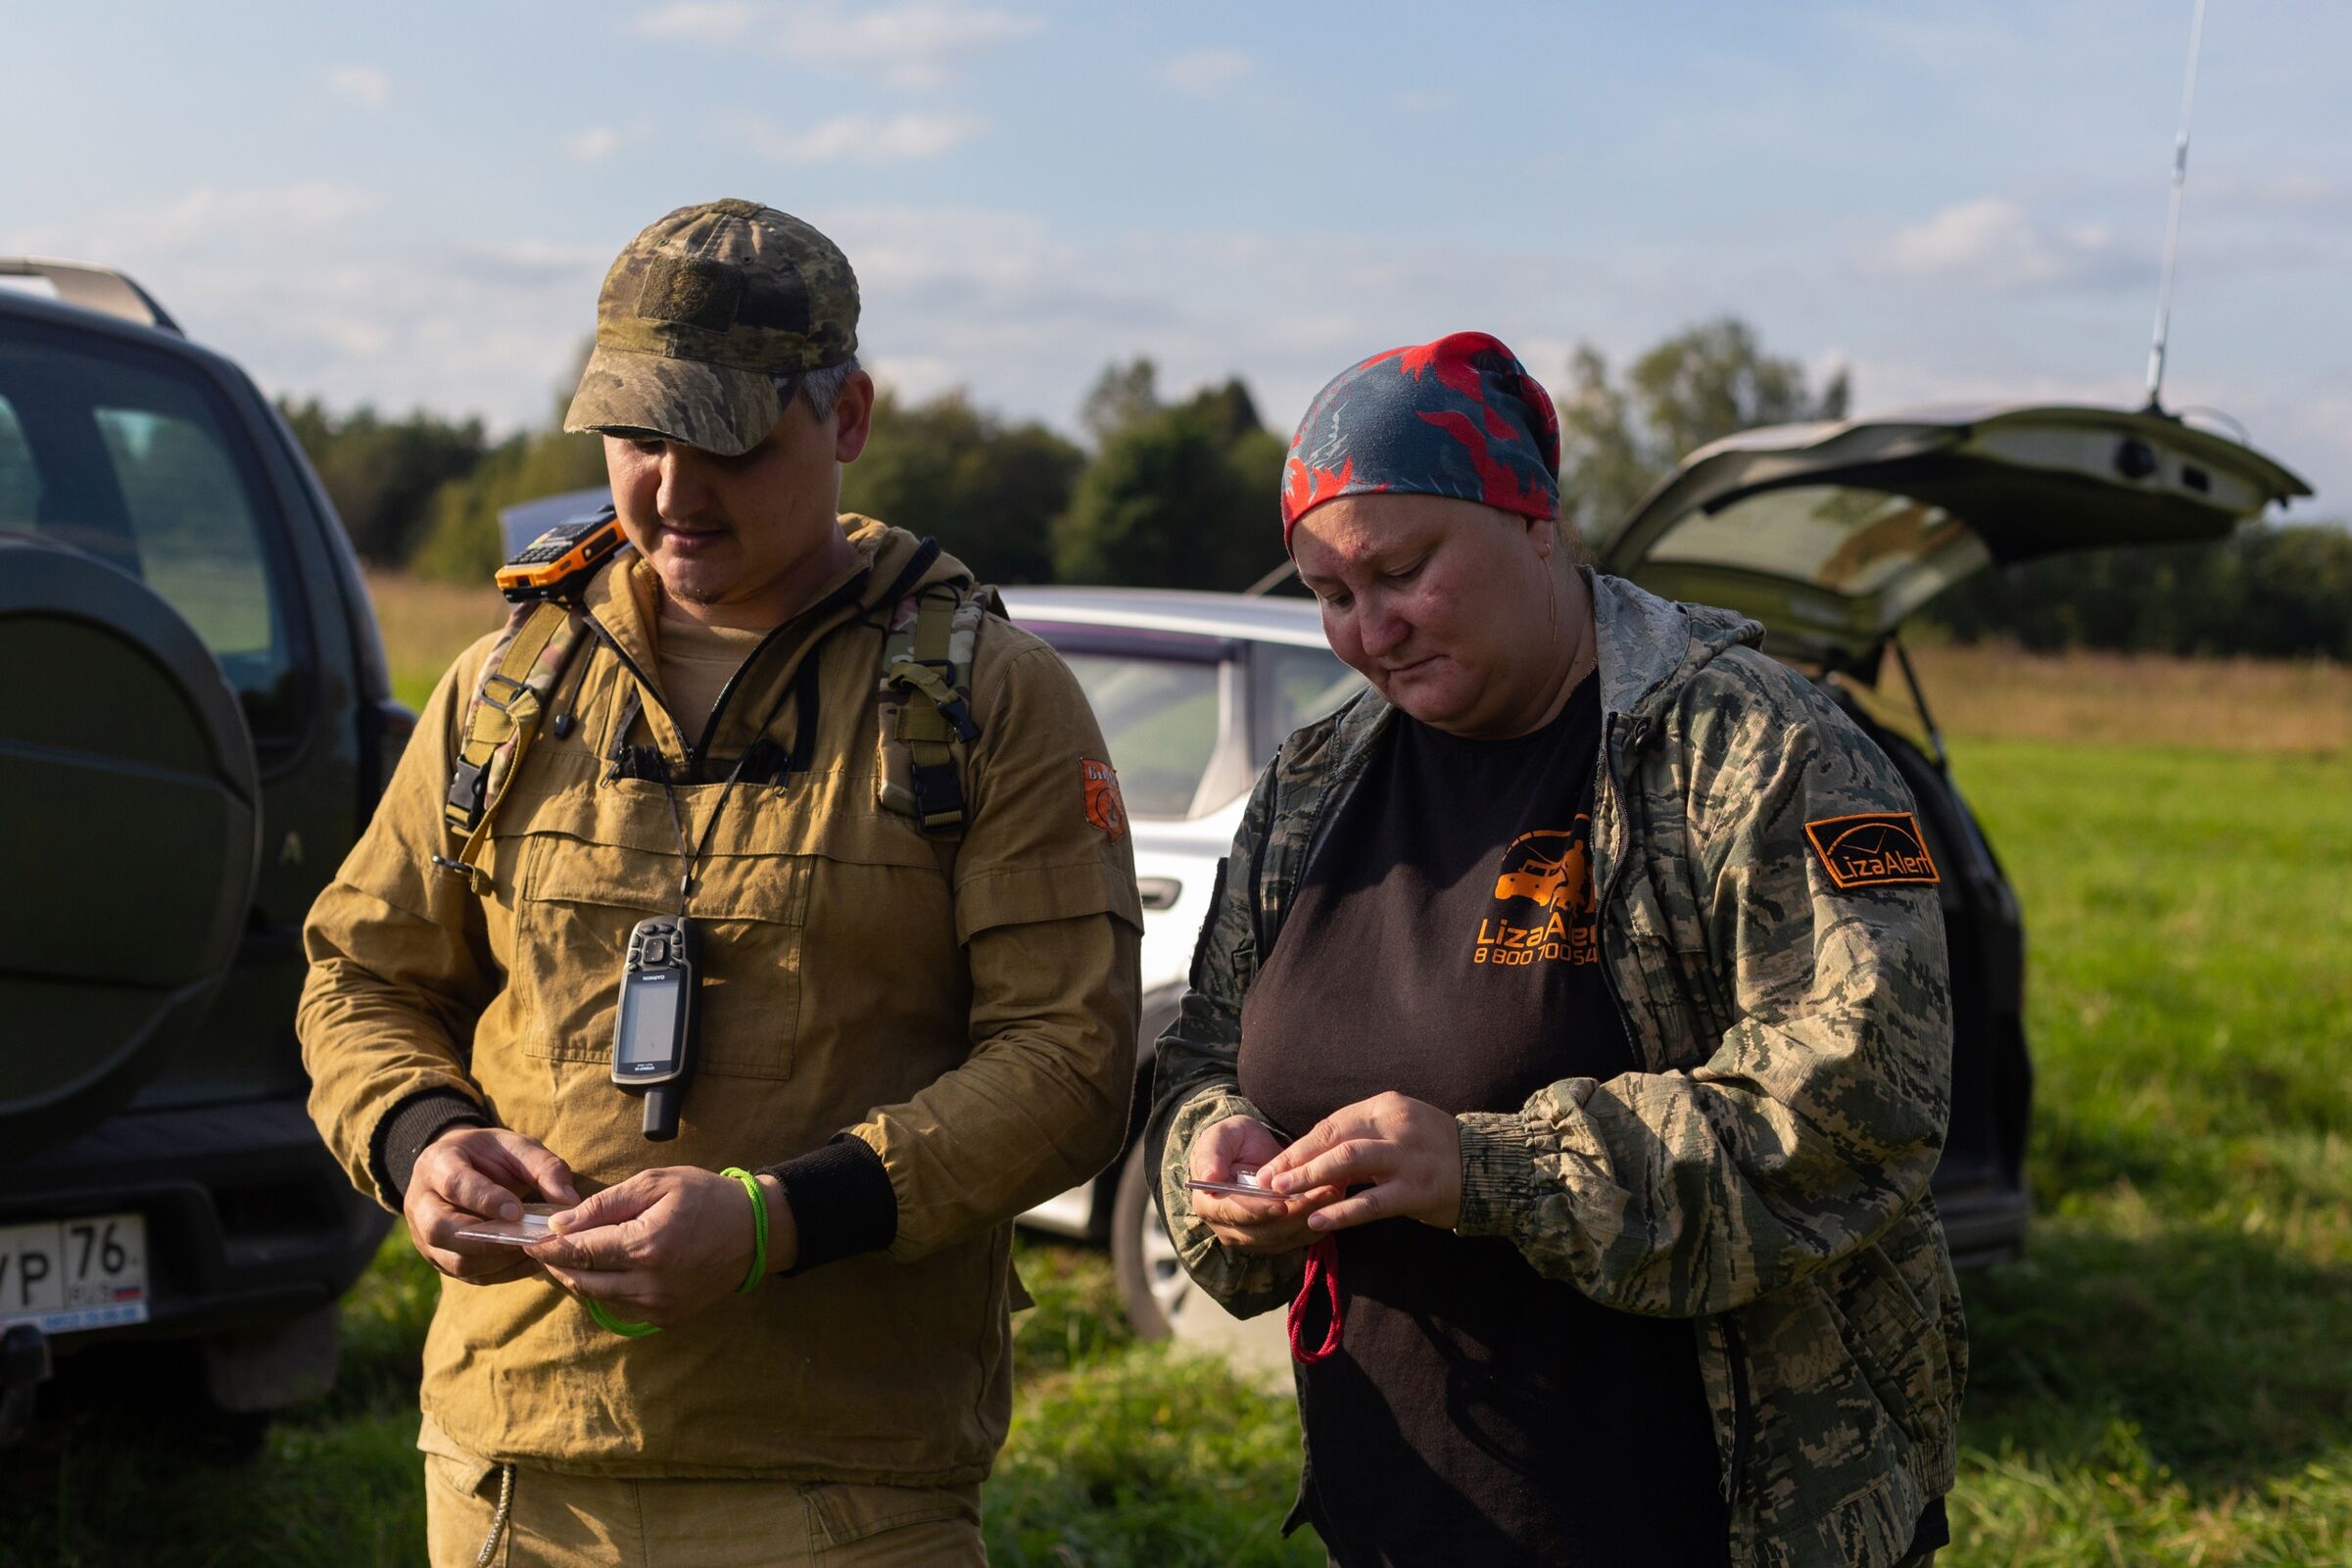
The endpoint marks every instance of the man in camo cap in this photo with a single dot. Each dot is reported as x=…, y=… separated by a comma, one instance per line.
x=917, y=997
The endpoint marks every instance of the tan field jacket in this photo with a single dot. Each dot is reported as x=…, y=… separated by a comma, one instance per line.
x=974, y=1026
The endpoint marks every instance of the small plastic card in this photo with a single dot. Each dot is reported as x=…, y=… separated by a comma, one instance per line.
x=533, y=1226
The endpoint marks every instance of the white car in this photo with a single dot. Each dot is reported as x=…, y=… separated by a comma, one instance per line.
x=1194, y=692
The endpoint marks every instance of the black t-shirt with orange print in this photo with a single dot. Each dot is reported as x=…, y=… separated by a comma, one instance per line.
x=1443, y=945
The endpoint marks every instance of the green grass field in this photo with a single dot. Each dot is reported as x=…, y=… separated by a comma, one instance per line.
x=2166, y=1379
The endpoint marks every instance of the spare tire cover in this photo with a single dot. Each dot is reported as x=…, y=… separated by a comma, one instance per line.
x=130, y=811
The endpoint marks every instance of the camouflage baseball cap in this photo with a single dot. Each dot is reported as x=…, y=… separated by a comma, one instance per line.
x=703, y=312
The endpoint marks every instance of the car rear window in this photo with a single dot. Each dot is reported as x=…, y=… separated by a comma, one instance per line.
x=135, y=459
x=1295, y=687
x=1161, y=717
x=1840, y=537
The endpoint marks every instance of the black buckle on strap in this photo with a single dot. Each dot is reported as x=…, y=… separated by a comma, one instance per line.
x=938, y=798
x=468, y=784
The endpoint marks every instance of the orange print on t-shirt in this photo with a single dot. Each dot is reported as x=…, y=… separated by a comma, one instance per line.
x=1545, y=905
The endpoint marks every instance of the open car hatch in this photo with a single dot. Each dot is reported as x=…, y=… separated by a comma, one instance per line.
x=1833, y=534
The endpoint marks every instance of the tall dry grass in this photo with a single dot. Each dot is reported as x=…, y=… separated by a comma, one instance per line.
x=426, y=624
x=1993, y=692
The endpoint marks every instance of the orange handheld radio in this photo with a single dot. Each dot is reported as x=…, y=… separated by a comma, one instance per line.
x=559, y=563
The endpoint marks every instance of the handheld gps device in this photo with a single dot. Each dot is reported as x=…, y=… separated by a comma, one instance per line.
x=653, y=1033
x=559, y=563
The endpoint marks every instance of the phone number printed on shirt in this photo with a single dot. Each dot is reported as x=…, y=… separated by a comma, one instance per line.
x=1545, y=910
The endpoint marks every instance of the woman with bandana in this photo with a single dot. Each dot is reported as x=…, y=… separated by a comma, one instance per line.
x=1593, y=1105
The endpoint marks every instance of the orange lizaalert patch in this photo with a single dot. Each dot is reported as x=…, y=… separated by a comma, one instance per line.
x=1873, y=850
x=1104, y=806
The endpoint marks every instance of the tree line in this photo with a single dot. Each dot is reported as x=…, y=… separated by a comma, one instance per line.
x=1180, y=493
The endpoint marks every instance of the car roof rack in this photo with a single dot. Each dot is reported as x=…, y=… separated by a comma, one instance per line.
x=93, y=288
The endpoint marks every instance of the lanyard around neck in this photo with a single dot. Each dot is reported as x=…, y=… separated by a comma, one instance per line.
x=690, y=858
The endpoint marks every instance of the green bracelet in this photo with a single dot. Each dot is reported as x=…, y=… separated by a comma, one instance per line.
x=759, y=1260
x=635, y=1331
x=759, y=1229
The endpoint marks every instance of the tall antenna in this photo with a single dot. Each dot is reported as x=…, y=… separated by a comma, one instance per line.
x=2172, y=224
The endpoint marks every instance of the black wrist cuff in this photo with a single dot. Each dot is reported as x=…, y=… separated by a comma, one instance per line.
x=412, y=1123
x=842, y=1199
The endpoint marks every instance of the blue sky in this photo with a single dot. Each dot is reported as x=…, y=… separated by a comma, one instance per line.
x=412, y=204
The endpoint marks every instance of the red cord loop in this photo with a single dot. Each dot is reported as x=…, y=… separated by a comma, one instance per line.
x=1322, y=1269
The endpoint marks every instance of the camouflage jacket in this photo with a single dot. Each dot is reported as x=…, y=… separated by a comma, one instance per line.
x=1766, y=1175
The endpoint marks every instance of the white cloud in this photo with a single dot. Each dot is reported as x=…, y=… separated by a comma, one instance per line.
x=909, y=43
x=302, y=287
x=211, y=212
x=529, y=261
x=858, y=138
x=242, y=232
x=928, y=254
x=2280, y=195
x=1992, y=243
x=363, y=86
x=1206, y=73
x=319, y=290
x=1934, y=39
x=1893, y=382
x=1025, y=314
x=699, y=20
x=594, y=143
x=915, y=376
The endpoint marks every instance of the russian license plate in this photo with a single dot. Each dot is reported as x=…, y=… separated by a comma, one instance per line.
x=75, y=1273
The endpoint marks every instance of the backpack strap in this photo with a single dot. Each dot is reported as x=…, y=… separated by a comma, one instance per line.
x=927, y=727
x=502, y=719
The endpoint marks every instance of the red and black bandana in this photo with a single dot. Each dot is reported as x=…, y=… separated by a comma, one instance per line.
x=1458, y=416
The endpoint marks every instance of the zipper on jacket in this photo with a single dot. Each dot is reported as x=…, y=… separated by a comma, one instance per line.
x=1606, y=896
x=1273, y=814
x=1298, y=872
x=711, y=726
x=1335, y=797
x=1326, y=813
x=597, y=630
x=1741, y=1417
x=694, y=749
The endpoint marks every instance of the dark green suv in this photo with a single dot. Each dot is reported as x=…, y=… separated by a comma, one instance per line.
x=195, y=722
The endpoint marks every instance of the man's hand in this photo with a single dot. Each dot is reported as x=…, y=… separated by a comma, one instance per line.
x=666, y=1243
x=1264, y=1225
x=474, y=1173
x=1408, y=1150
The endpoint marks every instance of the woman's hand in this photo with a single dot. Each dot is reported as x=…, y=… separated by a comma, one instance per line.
x=469, y=1175
x=666, y=1243
x=1408, y=1150
x=1264, y=1225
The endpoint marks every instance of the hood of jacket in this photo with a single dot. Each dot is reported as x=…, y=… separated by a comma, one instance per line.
x=1650, y=648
